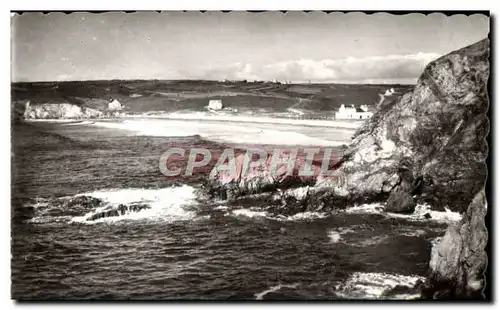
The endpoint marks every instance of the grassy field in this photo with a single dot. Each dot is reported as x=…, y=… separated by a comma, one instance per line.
x=140, y=96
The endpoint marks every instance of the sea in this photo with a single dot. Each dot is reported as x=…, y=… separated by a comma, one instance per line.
x=94, y=218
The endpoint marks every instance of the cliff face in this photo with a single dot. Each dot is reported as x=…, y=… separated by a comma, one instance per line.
x=429, y=143
x=458, y=261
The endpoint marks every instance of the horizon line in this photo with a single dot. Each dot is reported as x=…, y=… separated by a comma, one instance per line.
x=216, y=81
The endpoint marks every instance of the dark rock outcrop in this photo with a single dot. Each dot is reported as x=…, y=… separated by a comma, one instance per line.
x=400, y=202
x=459, y=260
x=259, y=179
x=430, y=142
x=121, y=209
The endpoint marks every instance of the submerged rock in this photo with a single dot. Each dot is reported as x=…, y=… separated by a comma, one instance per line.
x=117, y=211
x=80, y=205
x=86, y=202
x=400, y=202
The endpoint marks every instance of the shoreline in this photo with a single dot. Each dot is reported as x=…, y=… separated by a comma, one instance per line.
x=341, y=124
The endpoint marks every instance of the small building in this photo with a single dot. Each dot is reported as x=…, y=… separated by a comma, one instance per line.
x=351, y=112
x=215, y=105
x=114, y=105
x=389, y=92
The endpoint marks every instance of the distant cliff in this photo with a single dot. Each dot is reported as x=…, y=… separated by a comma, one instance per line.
x=95, y=108
x=59, y=111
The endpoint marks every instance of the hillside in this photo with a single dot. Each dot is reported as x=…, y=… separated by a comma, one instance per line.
x=167, y=96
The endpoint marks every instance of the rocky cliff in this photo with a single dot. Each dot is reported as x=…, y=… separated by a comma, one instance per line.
x=427, y=146
x=429, y=143
x=458, y=261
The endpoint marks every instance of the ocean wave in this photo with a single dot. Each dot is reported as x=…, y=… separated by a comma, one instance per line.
x=255, y=119
x=254, y=213
x=79, y=123
x=338, y=235
x=260, y=296
x=446, y=216
x=53, y=219
x=167, y=204
x=301, y=216
x=421, y=213
x=371, y=208
x=413, y=233
x=334, y=236
x=221, y=207
x=248, y=213
x=378, y=286
x=220, y=132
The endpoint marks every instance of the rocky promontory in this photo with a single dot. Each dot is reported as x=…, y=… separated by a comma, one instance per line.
x=427, y=146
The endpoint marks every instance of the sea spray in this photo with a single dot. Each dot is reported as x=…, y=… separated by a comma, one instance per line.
x=166, y=204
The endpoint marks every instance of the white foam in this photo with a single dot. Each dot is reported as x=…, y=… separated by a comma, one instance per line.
x=296, y=111
x=375, y=286
x=305, y=216
x=248, y=213
x=334, y=236
x=165, y=204
x=371, y=208
x=446, y=216
x=298, y=193
x=413, y=233
x=80, y=123
x=302, y=216
x=256, y=119
x=259, y=296
x=421, y=210
x=221, y=132
x=370, y=241
x=338, y=235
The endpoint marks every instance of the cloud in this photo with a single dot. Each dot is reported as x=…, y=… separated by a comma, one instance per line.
x=377, y=69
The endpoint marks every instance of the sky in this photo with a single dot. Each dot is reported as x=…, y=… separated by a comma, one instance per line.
x=296, y=46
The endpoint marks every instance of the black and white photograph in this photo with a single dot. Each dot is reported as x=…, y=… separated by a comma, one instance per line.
x=249, y=156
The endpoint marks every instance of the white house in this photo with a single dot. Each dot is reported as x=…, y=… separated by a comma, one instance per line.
x=389, y=92
x=351, y=112
x=114, y=105
x=215, y=105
